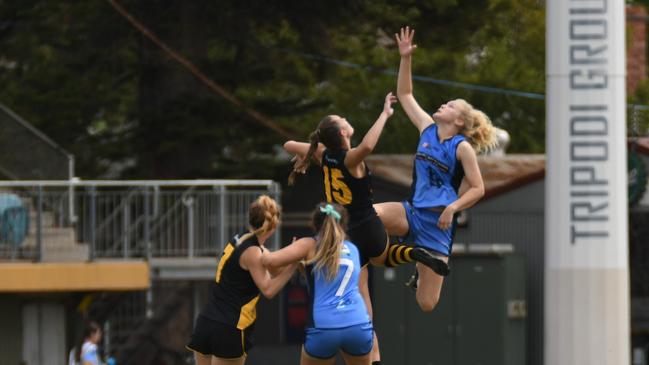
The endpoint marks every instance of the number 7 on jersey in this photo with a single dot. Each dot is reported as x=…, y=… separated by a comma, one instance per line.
x=348, y=274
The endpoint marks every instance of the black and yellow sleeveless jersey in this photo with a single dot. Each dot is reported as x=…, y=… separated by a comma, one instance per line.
x=342, y=187
x=233, y=293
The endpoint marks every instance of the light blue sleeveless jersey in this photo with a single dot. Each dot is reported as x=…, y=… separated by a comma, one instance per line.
x=437, y=174
x=337, y=303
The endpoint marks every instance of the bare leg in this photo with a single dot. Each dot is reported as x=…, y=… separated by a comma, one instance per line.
x=356, y=360
x=220, y=361
x=375, y=355
x=365, y=293
x=393, y=216
x=202, y=359
x=305, y=359
x=212, y=360
x=429, y=287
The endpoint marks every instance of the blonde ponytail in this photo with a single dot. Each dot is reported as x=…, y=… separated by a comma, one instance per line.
x=478, y=130
x=263, y=217
x=329, y=221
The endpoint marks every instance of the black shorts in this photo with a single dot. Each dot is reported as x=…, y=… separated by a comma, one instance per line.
x=370, y=237
x=221, y=340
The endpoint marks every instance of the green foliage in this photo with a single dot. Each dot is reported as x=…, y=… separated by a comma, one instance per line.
x=637, y=118
x=92, y=82
x=638, y=2
x=68, y=67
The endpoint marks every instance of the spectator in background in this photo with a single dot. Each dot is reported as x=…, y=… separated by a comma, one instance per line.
x=85, y=353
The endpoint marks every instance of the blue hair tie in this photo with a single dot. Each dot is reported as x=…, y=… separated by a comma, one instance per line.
x=330, y=210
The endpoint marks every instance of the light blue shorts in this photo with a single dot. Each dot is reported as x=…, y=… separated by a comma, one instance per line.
x=324, y=343
x=423, y=230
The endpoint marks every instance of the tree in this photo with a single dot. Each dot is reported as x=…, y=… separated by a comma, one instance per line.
x=81, y=73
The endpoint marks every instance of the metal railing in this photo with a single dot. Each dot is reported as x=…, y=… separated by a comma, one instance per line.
x=131, y=219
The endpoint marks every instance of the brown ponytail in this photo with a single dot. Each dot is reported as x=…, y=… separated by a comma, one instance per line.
x=327, y=133
x=303, y=165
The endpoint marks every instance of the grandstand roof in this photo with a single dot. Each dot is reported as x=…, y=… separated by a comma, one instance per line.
x=500, y=173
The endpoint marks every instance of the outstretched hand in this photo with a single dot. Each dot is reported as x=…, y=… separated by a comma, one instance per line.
x=387, y=106
x=404, y=40
x=298, y=164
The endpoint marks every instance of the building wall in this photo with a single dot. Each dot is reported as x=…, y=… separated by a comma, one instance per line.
x=517, y=217
x=44, y=333
x=11, y=335
x=636, y=46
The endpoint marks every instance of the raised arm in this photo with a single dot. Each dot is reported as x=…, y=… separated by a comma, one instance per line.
x=251, y=260
x=417, y=115
x=357, y=154
x=300, y=149
x=473, y=185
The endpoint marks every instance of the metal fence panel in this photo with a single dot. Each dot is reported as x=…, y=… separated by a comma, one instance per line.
x=132, y=220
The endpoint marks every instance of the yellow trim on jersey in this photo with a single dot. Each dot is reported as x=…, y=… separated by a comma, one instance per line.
x=243, y=345
x=229, y=248
x=248, y=314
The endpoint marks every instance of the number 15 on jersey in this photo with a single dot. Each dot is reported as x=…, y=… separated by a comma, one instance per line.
x=335, y=186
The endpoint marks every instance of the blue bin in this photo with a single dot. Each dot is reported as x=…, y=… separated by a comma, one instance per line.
x=14, y=219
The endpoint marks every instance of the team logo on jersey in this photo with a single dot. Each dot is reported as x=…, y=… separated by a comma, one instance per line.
x=434, y=161
x=345, y=250
x=425, y=145
x=331, y=161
